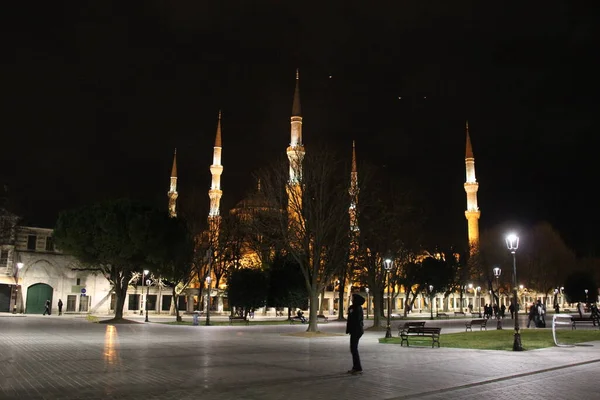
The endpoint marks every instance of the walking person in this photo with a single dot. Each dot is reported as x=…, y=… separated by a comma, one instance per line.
x=354, y=326
x=60, y=304
x=47, y=308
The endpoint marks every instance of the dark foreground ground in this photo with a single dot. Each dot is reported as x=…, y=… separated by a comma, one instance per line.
x=71, y=358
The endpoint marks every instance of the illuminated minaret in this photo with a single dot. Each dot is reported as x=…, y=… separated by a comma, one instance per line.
x=295, y=153
x=215, y=192
x=173, y=188
x=353, y=192
x=471, y=186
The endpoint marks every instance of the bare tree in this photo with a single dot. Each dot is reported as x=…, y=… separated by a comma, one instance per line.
x=314, y=230
x=390, y=227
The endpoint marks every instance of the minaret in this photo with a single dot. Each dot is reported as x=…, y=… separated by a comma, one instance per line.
x=295, y=154
x=172, y=193
x=215, y=192
x=353, y=192
x=471, y=186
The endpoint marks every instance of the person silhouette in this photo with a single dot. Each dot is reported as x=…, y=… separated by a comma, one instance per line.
x=47, y=308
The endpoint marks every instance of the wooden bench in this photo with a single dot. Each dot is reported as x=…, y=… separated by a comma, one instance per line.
x=481, y=322
x=233, y=319
x=407, y=325
x=442, y=315
x=459, y=314
x=421, y=332
x=584, y=320
x=297, y=319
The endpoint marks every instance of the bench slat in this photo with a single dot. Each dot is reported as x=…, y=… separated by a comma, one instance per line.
x=421, y=331
x=481, y=322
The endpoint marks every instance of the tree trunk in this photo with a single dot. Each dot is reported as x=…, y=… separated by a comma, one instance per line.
x=341, y=302
x=313, y=308
x=377, y=312
x=120, y=292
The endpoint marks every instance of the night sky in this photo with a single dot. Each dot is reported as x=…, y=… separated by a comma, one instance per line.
x=97, y=94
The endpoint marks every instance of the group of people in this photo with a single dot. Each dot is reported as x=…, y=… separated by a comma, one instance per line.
x=537, y=315
x=48, y=307
x=490, y=311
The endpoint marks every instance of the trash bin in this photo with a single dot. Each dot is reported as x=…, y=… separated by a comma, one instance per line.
x=195, y=321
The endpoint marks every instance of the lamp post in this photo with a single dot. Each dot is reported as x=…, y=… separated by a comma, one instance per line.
x=512, y=242
x=497, y=272
x=17, y=286
x=478, y=289
x=367, y=290
x=340, y=299
x=208, y=278
x=145, y=272
x=148, y=282
x=431, y=301
x=388, y=267
x=470, y=286
x=586, y=296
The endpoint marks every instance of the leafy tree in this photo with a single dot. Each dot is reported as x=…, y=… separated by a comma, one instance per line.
x=438, y=272
x=286, y=284
x=577, y=283
x=545, y=259
x=175, y=264
x=247, y=288
x=542, y=258
x=117, y=238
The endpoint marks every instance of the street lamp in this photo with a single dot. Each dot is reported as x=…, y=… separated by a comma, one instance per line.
x=209, y=261
x=148, y=282
x=208, y=279
x=431, y=300
x=478, y=290
x=387, y=264
x=470, y=286
x=512, y=242
x=145, y=272
x=586, y=296
x=340, y=295
x=17, y=286
x=367, y=290
x=497, y=272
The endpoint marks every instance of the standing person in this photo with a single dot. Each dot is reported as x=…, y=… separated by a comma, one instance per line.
x=580, y=309
x=47, y=308
x=511, y=308
x=354, y=326
x=532, y=315
x=541, y=310
x=60, y=304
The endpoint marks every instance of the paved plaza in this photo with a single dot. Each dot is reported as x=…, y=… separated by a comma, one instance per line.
x=67, y=357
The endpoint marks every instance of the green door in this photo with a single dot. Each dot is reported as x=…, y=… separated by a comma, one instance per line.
x=36, y=298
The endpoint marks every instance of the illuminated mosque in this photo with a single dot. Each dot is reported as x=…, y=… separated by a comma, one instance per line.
x=31, y=267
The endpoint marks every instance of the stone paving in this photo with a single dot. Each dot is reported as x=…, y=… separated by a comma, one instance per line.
x=60, y=357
